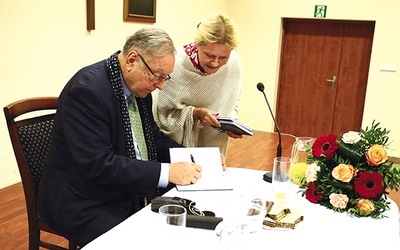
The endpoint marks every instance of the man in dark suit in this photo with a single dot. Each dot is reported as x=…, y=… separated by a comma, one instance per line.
x=101, y=167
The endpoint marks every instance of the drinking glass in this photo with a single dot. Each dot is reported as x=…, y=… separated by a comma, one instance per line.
x=242, y=217
x=280, y=178
x=174, y=214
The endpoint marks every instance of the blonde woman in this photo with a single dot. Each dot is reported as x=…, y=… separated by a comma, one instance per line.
x=205, y=83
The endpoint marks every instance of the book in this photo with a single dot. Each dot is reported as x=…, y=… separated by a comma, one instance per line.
x=213, y=178
x=234, y=125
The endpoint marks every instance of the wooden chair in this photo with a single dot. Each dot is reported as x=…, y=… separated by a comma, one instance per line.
x=31, y=137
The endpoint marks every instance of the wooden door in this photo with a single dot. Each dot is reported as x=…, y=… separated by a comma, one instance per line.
x=323, y=75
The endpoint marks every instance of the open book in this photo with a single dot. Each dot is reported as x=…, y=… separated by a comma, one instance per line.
x=212, y=176
x=234, y=125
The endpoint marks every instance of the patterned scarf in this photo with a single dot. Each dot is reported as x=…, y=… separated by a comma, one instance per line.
x=116, y=82
x=193, y=53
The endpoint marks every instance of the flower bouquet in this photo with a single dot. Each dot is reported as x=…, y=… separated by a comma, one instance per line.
x=351, y=174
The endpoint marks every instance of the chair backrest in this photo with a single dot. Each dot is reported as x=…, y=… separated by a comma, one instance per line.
x=30, y=124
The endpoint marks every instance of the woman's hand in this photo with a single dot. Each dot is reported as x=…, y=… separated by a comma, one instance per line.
x=233, y=135
x=206, y=117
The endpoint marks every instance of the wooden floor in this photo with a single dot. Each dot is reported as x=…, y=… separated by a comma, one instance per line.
x=13, y=220
x=255, y=152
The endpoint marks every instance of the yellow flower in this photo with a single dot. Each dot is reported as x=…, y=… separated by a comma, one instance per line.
x=343, y=172
x=365, y=205
x=376, y=155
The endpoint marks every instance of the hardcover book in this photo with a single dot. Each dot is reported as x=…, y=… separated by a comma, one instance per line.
x=234, y=125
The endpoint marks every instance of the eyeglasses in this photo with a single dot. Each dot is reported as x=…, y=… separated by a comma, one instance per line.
x=154, y=78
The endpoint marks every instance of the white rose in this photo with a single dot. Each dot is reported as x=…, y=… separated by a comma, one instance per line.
x=351, y=137
x=311, y=172
x=338, y=200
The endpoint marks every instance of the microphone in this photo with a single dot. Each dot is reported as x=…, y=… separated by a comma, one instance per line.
x=268, y=176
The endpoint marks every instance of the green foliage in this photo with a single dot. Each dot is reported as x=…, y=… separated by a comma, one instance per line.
x=391, y=176
x=373, y=135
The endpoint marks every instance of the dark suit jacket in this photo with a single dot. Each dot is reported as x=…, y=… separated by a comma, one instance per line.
x=88, y=183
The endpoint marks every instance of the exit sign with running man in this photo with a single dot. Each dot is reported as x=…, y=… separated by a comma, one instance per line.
x=320, y=11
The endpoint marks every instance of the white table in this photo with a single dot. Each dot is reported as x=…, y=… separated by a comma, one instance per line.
x=321, y=228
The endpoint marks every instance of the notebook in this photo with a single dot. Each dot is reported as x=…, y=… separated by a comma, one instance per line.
x=210, y=160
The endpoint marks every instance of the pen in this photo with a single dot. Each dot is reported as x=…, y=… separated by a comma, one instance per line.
x=192, y=158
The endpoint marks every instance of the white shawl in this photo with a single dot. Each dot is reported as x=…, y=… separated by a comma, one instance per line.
x=187, y=89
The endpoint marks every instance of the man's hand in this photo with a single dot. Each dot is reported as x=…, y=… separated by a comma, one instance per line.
x=184, y=173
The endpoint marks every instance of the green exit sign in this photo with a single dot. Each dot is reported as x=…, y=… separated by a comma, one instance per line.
x=320, y=11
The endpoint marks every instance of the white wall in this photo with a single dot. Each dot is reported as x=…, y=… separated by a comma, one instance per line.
x=260, y=25
x=43, y=43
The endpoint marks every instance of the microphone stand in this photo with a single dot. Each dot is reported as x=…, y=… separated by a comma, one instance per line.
x=268, y=176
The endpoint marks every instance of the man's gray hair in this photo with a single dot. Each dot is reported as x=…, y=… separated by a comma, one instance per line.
x=151, y=41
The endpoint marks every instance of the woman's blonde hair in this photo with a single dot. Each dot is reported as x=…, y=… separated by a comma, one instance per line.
x=217, y=28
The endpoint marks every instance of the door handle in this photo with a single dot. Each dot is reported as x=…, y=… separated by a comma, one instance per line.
x=333, y=83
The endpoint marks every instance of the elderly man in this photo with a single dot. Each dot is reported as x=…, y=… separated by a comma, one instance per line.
x=107, y=155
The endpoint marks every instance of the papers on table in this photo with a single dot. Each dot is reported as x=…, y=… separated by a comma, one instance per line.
x=210, y=160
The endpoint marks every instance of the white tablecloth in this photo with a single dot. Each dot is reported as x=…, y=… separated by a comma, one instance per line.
x=321, y=228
